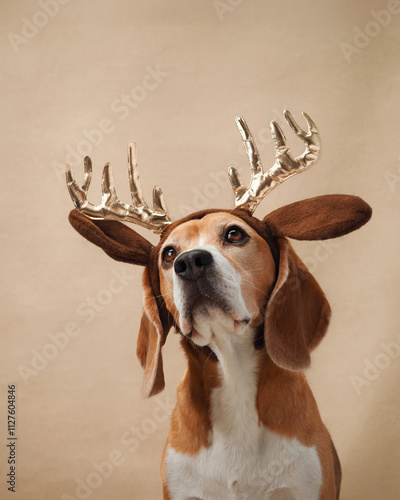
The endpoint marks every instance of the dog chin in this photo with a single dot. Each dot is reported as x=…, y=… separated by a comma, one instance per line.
x=208, y=319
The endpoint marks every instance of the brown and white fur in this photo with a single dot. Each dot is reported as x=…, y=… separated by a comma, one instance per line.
x=243, y=428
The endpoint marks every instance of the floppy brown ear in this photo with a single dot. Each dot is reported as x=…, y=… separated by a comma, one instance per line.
x=297, y=314
x=152, y=335
x=124, y=244
x=320, y=218
x=118, y=241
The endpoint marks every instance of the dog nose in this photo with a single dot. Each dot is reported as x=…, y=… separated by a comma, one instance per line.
x=191, y=265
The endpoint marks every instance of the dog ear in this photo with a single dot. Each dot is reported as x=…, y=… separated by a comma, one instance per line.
x=152, y=335
x=297, y=314
x=118, y=241
x=124, y=244
x=319, y=218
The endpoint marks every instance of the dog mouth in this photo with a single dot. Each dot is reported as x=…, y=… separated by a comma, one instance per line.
x=205, y=308
x=211, y=299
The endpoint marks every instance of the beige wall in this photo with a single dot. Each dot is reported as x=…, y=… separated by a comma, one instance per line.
x=214, y=60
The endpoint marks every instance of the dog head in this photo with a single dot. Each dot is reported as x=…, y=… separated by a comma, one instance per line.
x=215, y=267
x=225, y=269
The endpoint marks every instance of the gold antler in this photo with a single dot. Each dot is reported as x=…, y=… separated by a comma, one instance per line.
x=285, y=164
x=111, y=207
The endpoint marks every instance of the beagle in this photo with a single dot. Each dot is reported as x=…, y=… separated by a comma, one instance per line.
x=246, y=425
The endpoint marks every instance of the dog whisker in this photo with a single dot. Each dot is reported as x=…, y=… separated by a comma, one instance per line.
x=255, y=269
x=254, y=286
x=208, y=357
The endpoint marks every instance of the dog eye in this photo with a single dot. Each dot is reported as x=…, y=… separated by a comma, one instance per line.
x=169, y=255
x=235, y=235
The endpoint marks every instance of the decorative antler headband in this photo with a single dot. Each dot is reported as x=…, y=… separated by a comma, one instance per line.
x=249, y=198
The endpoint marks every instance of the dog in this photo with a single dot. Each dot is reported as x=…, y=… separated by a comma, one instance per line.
x=246, y=425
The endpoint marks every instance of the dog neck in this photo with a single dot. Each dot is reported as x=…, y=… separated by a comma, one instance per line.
x=220, y=386
x=236, y=355
x=230, y=360
x=233, y=407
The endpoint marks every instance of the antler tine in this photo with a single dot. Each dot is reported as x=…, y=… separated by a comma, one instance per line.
x=109, y=199
x=79, y=193
x=250, y=146
x=311, y=138
x=111, y=207
x=135, y=186
x=134, y=180
x=285, y=164
x=253, y=156
x=158, y=200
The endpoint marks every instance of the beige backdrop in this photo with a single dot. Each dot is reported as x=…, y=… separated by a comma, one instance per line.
x=82, y=78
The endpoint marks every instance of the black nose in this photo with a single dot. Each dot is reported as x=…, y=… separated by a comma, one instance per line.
x=191, y=265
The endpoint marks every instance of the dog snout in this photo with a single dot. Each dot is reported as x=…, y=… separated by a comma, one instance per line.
x=192, y=264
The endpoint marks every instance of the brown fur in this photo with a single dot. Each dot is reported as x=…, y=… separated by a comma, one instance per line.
x=283, y=394
x=290, y=337
x=118, y=241
x=320, y=218
x=190, y=422
x=152, y=335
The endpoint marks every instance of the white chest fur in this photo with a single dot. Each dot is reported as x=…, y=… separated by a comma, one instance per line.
x=245, y=460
